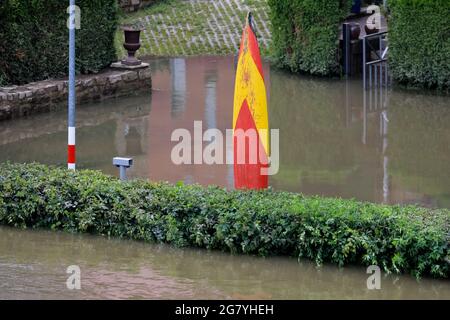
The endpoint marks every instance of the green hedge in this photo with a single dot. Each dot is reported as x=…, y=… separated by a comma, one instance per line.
x=305, y=34
x=34, y=38
x=398, y=239
x=419, y=42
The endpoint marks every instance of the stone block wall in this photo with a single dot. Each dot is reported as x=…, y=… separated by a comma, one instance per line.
x=44, y=96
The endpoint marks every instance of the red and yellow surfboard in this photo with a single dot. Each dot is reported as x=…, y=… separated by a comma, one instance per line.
x=250, y=115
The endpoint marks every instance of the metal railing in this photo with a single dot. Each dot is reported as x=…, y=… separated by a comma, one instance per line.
x=375, y=71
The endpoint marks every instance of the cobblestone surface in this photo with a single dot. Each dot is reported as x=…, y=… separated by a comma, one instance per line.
x=196, y=27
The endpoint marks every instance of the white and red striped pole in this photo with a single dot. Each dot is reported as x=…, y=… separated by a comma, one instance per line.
x=71, y=152
x=71, y=159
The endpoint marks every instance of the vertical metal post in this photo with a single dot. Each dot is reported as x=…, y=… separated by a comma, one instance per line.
x=123, y=173
x=346, y=30
x=370, y=89
x=376, y=88
x=347, y=105
x=380, y=47
x=386, y=74
x=364, y=135
x=375, y=71
x=381, y=88
x=384, y=132
x=123, y=164
x=364, y=63
x=381, y=63
x=387, y=85
x=381, y=74
x=71, y=103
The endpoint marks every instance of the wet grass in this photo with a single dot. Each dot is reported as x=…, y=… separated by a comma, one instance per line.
x=196, y=27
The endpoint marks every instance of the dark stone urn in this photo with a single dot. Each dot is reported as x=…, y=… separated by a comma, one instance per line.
x=132, y=44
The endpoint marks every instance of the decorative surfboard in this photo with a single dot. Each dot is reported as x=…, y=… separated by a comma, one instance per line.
x=250, y=119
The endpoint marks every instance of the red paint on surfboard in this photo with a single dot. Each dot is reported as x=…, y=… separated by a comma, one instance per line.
x=247, y=175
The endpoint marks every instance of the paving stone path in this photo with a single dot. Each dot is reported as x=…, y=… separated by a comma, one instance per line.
x=196, y=27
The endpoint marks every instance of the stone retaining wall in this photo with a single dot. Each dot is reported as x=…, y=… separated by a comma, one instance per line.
x=44, y=96
x=133, y=5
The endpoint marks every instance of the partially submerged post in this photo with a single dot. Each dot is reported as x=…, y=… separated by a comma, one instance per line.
x=71, y=102
x=347, y=52
x=123, y=164
x=350, y=39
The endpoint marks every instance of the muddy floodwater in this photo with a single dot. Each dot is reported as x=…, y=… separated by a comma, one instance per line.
x=33, y=265
x=385, y=146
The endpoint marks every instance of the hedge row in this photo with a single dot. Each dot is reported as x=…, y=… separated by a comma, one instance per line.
x=305, y=34
x=398, y=239
x=419, y=42
x=34, y=38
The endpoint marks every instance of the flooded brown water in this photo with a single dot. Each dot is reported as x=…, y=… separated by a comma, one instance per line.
x=395, y=148
x=33, y=266
x=386, y=146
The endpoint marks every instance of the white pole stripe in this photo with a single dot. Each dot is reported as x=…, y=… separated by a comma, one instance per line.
x=72, y=136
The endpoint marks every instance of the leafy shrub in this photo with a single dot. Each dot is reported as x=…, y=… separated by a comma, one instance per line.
x=34, y=38
x=305, y=34
x=398, y=239
x=419, y=37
